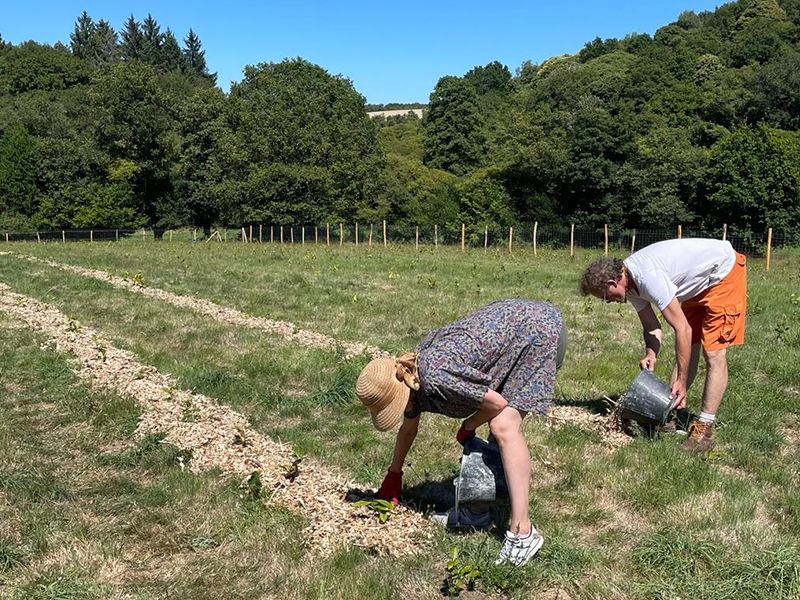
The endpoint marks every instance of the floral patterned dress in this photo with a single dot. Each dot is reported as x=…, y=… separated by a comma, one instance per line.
x=508, y=346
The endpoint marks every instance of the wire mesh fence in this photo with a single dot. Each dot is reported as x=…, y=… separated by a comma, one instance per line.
x=517, y=238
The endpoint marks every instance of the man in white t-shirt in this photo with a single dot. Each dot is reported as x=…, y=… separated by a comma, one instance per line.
x=700, y=287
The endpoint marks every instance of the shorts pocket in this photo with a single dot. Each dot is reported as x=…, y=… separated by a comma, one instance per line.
x=731, y=322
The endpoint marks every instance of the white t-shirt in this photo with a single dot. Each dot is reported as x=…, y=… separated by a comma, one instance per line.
x=680, y=268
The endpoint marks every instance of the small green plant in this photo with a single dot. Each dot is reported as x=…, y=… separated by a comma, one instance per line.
x=382, y=508
x=191, y=413
x=588, y=304
x=251, y=488
x=393, y=275
x=460, y=573
x=73, y=327
x=138, y=278
x=431, y=282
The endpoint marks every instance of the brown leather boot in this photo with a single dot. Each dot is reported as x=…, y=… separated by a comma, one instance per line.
x=668, y=427
x=700, y=437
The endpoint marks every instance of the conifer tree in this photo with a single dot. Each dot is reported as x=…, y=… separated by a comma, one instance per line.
x=103, y=46
x=132, y=40
x=194, y=58
x=79, y=38
x=152, y=39
x=170, y=53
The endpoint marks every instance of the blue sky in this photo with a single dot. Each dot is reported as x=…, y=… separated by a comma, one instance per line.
x=393, y=52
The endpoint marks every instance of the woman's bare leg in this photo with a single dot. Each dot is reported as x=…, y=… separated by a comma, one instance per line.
x=507, y=429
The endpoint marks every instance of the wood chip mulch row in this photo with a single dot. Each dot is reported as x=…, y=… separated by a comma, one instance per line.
x=284, y=329
x=218, y=437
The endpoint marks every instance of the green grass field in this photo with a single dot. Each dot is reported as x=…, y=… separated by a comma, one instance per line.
x=86, y=512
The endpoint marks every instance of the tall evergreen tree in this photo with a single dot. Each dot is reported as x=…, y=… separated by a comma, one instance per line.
x=103, y=46
x=170, y=53
x=132, y=40
x=152, y=39
x=80, y=36
x=194, y=58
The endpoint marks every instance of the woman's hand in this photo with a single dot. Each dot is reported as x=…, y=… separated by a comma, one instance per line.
x=392, y=487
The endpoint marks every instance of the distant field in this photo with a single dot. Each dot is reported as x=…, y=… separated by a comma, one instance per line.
x=641, y=521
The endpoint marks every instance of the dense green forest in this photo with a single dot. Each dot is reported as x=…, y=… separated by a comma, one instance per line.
x=696, y=124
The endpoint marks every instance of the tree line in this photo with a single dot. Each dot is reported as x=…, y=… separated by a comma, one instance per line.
x=696, y=124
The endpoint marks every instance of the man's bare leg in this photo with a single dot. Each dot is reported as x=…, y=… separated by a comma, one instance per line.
x=716, y=380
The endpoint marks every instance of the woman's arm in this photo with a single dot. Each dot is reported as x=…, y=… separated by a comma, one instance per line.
x=405, y=437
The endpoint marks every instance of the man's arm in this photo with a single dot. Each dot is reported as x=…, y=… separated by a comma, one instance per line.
x=651, y=331
x=683, y=349
x=405, y=437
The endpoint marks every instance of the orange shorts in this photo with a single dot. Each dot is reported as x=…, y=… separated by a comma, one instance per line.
x=717, y=315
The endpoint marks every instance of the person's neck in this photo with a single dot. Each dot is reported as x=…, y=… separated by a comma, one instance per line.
x=631, y=284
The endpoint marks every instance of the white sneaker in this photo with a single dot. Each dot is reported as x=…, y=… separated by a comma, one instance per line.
x=519, y=549
x=463, y=519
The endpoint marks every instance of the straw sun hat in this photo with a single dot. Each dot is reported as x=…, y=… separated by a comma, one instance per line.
x=384, y=387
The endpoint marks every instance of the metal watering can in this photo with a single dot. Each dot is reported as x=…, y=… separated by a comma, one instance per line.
x=481, y=478
x=647, y=400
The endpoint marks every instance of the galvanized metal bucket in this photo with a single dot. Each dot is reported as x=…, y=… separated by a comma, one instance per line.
x=481, y=478
x=647, y=400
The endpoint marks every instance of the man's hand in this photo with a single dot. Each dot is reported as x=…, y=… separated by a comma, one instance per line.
x=391, y=488
x=678, y=391
x=649, y=361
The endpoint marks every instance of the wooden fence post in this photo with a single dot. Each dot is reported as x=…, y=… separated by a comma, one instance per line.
x=605, y=246
x=281, y=235
x=341, y=233
x=485, y=237
x=291, y=234
x=316, y=234
x=116, y=235
x=384, y=233
x=170, y=235
x=225, y=234
x=327, y=234
x=356, y=235
x=194, y=234
x=510, y=238
x=633, y=241
x=7, y=237
x=416, y=238
x=251, y=232
x=572, y=240
x=370, y=234
x=271, y=238
x=303, y=235
x=680, y=232
x=38, y=239
x=260, y=237
x=463, y=235
x=244, y=235
x=63, y=236
x=91, y=235
x=143, y=234
x=724, y=231
x=769, y=246
x=535, y=227
x=435, y=236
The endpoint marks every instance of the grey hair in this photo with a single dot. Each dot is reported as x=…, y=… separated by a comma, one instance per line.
x=595, y=276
